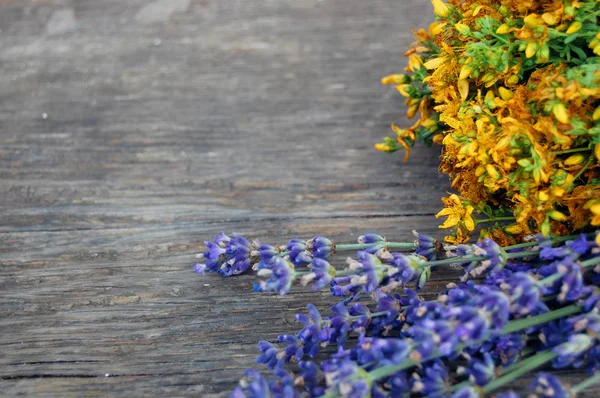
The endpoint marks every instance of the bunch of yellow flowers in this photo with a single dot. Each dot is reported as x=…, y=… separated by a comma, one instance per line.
x=511, y=90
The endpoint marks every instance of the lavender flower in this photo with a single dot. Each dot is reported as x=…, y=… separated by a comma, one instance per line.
x=547, y=385
x=322, y=274
x=268, y=354
x=254, y=385
x=404, y=267
x=370, y=238
x=466, y=392
x=226, y=255
x=337, y=327
x=508, y=394
x=525, y=295
x=298, y=252
x=571, y=350
x=280, y=275
x=570, y=286
x=433, y=380
x=480, y=371
x=426, y=246
x=309, y=378
x=347, y=378
x=382, y=351
x=506, y=348
x=320, y=246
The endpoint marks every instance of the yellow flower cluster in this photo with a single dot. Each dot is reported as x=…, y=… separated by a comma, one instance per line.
x=511, y=90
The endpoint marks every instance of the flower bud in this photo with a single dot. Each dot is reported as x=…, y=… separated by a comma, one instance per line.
x=402, y=89
x=574, y=28
x=463, y=29
x=440, y=8
x=434, y=63
x=531, y=49
x=395, y=79
x=557, y=215
x=532, y=21
x=502, y=29
x=543, y=54
x=550, y=18
x=513, y=229
x=560, y=112
x=493, y=172
x=505, y=94
x=574, y=159
x=512, y=80
x=465, y=72
x=597, y=151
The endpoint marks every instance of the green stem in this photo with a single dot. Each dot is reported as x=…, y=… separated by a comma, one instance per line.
x=573, y=150
x=521, y=324
x=584, y=168
x=494, y=219
x=518, y=364
x=468, y=259
x=512, y=326
x=591, y=262
x=586, y=383
x=535, y=362
x=389, y=245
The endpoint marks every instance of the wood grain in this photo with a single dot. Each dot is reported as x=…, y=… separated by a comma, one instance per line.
x=132, y=131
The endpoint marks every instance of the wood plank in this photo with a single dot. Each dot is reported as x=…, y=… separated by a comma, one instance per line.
x=132, y=131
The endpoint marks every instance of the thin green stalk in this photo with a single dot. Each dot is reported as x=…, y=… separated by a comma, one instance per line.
x=535, y=362
x=512, y=326
x=494, y=219
x=518, y=364
x=586, y=383
x=584, y=168
x=573, y=150
x=389, y=245
x=591, y=262
x=468, y=259
x=521, y=324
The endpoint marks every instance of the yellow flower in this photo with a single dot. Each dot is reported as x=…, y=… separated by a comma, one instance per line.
x=574, y=28
x=382, y=147
x=531, y=49
x=560, y=112
x=440, y=8
x=574, y=159
x=395, y=79
x=434, y=63
x=457, y=213
x=503, y=29
x=594, y=207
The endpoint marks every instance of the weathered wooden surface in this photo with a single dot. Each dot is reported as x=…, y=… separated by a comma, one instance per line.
x=130, y=131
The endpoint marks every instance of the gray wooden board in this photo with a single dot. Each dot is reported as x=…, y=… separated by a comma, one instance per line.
x=130, y=131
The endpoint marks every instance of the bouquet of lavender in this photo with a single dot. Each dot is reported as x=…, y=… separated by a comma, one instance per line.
x=515, y=310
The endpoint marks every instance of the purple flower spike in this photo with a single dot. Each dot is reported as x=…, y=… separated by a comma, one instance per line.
x=427, y=246
x=321, y=274
x=268, y=354
x=280, y=275
x=569, y=351
x=547, y=385
x=254, y=385
x=508, y=394
x=226, y=255
x=320, y=247
x=481, y=371
x=370, y=238
x=466, y=392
